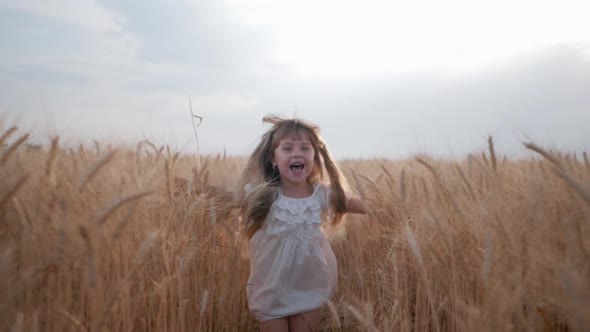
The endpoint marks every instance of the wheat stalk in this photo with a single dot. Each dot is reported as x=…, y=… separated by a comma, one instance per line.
x=144, y=249
x=71, y=318
x=12, y=148
x=168, y=176
x=189, y=214
x=385, y=171
x=7, y=134
x=492, y=153
x=334, y=314
x=51, y=159
x=11, y=192
x=74, y=160
x=578, y=188
x=138, y=261
x=371, y=183
x=121, y=225
x=418, y=254
x=402, y=185
x=378, y=178
x=487, y=260
x=414, y=182
x=106, y=213
x=466, y=182
x=358, y=185
x=97, y=147
x=427, y=165
x=560, y=171
x=365, y=322
x=82, y=153
x=388, y=179
x=93, y=170
x=22, y=211
x=544, y=153
x=159, y=153
x=425, y=188
x=414, y=246
x=440, y=184
x=89, y=256
x=146, y=142
x=485, y=158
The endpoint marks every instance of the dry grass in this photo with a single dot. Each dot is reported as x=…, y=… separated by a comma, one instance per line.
x=107, y=239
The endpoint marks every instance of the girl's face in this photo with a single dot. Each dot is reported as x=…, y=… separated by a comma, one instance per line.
x=294, y=157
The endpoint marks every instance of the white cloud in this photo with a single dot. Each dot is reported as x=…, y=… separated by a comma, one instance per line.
x=83, y=13
x=225, y=103
x=71, y=38
x=115, y=70
x=351, y=38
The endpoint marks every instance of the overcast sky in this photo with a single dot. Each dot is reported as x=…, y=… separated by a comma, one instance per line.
x=381, y=78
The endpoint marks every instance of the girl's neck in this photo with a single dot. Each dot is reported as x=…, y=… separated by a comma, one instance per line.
x=296, y=190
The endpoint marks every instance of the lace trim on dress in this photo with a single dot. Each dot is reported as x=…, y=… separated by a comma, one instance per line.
x=298, y=217
x=294, y=212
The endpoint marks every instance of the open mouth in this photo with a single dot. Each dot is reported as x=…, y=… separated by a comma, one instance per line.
x=296, y=166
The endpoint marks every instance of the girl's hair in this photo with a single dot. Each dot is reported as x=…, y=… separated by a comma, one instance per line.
x=265, y=179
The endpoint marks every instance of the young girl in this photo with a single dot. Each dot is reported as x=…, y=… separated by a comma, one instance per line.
x=292, y=266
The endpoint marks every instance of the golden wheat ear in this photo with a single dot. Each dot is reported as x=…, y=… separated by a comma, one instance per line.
x=13, y=147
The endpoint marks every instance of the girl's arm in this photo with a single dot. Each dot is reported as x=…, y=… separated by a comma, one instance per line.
x=356, y=205
x=353, y=204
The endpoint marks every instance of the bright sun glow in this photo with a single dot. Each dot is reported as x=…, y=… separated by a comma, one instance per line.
x=346, y=38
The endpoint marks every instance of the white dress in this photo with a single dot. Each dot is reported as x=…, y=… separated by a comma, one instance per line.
x=292, y=266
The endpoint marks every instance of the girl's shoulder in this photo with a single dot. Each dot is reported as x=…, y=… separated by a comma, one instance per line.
x=322, y=192
x=321, y=186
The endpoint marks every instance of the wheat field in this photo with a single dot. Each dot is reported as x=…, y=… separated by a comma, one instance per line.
x=115, y=238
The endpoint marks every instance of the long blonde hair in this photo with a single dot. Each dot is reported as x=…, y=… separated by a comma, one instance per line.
x=264, y=179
